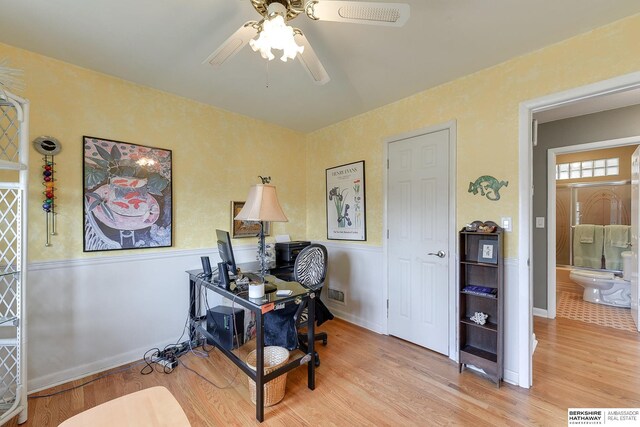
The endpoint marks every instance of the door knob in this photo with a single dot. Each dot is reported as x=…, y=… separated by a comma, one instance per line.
x=439, y=254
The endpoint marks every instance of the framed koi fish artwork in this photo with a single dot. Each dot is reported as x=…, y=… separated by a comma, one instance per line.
x=127, y=196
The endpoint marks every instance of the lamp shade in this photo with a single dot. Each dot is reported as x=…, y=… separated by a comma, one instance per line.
x=262, y=205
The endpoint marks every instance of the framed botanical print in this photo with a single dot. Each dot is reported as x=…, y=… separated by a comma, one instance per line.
x=346, y=203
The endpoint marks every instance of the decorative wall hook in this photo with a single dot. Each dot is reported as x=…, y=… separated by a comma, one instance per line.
x=487, y=186
x=49, y=147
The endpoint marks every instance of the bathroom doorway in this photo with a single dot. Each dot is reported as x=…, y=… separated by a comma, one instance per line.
x=589, y=213
x=561, y=136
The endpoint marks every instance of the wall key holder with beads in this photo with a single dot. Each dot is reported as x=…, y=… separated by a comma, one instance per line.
x=49, y=147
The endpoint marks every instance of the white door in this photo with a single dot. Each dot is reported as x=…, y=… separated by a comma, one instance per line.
x=418, y=240
x=635, y=196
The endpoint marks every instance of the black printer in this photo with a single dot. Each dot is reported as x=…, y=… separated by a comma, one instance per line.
x=286, y=253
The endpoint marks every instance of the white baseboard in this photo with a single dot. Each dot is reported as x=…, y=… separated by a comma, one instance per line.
x=363, y=323
x=511, y=377
x=97, y=366
x=540, y=312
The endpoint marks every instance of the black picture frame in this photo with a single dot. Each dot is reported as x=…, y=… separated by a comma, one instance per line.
x=488, y=251
x=127, y=195
x=346, y=202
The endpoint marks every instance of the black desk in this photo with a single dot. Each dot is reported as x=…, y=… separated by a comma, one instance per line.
x=259, y=307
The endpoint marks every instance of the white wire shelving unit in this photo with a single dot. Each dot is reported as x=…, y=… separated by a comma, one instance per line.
x=14, y=135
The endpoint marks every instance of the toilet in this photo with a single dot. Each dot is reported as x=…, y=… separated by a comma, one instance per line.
x=602, y=287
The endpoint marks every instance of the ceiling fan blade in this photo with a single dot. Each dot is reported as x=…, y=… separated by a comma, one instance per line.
x=233, y=44
x=359, y=12
x=310, y=61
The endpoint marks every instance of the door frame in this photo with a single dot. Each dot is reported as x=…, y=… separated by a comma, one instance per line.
x=524, y=307
x=451, y=228
x=551, y=205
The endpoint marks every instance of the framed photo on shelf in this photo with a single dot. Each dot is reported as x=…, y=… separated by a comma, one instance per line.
x=488, y=251
x=127, y=196
x=346, y=204
x=245, y=228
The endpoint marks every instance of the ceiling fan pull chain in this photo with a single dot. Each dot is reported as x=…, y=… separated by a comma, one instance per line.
x=267, y=77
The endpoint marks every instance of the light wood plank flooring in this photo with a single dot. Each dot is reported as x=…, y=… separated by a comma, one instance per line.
x=371, y=379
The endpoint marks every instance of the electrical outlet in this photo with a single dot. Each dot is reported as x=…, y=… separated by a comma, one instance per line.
x=539, y=222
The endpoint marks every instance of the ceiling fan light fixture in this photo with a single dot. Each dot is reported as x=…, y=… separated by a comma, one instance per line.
x=276, y=34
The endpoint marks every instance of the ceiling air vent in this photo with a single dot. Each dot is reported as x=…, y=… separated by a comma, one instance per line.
x=370, y=13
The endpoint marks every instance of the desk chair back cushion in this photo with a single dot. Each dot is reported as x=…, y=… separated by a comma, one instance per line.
x=310, y=268
x=280, y=326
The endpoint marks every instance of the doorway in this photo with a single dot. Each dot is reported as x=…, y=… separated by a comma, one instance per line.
x=527, y=130
x=572, y=204
x=420, y=243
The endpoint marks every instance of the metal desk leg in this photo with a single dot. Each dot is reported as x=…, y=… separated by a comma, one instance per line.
x=311, y=328
x=259, y=368
x=193, y=308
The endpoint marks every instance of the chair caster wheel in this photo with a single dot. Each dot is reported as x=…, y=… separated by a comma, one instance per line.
x=324, y=342
x=317, y=362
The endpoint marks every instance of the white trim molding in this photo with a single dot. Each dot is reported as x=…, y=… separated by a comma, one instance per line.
x=541, y=312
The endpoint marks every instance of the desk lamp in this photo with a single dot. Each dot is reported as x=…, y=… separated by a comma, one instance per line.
x=262, y=205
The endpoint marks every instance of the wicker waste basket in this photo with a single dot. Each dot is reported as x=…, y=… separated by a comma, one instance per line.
x=274, y=358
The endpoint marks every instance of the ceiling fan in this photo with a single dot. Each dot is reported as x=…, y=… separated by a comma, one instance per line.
x=273, y=33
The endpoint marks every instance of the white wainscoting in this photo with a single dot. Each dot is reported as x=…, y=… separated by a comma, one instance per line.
x=88, y=315
x=356, y=270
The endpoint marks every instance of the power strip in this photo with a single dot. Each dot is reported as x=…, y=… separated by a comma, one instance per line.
x=168, y=364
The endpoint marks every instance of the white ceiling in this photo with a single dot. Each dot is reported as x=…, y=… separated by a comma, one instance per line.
x=162, y=44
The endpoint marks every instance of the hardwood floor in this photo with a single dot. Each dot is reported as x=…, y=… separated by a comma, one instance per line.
x=371, y=379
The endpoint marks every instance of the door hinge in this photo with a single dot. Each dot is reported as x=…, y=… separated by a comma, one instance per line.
x=387, y=308
x=387, y=233
x=534, y=132
x=387, y=163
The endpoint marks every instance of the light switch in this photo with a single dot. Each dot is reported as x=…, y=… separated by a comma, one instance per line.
x=506, y=223
x=539, y=222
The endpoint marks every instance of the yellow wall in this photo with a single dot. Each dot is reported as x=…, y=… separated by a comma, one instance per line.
x=485, y=106
x=217, y=155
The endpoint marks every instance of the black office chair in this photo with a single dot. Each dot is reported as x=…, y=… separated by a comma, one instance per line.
x=310, y=270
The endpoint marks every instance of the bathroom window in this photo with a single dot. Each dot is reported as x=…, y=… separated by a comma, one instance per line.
x=588, y=169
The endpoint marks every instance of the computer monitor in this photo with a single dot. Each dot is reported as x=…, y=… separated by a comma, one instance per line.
x=226, y=251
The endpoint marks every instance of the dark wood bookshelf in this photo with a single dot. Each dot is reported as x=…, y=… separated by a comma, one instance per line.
x=481, y=346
